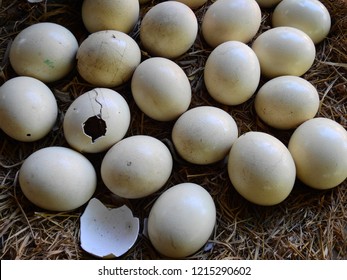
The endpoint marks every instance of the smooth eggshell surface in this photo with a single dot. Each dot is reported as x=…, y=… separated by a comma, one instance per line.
x=232, y=73
x=261, y=168
x=193, y=4
x=181, y=220
x=108, y=232
x=168, y=29
x=310, y=16
x=108, y=58
x=46, y=51
x=136, y=166
x=204, y=135
x=287, y=101
x=121, y=15
x=319, y=149
x=164, y=98
x=57, y=179
x=284, y=51
x=28, y=109
x=226, y=20
x=96, y=120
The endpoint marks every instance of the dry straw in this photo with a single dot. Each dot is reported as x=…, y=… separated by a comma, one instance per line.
x=309, y=224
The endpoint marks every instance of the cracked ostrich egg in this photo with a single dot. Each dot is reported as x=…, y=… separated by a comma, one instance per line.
x=96, y=120
x=108, y=58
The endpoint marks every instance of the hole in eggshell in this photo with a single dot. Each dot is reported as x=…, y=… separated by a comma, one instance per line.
x=95, y=127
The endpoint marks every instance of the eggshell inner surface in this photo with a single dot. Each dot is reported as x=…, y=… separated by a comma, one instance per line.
x=319, y=149
x=181, y=220
x=108, y=232
x=261, y=168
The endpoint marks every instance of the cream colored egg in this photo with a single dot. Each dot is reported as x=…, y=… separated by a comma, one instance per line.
x=121, y=15
x=284, y=51
x=261, y=168
x=232, y=73
x=310, y=16
x=168, y=29
x=193, y=4
x=28, y=109
x=268, y=3
x=46, y=51
x=136, y=166
x=204, y=135
x=181, y=220
x=57, y=179
x=286, y=102
x=96, y=120
x=231, y=20
x=108, y=58
x=161, y=89
x=319, y=149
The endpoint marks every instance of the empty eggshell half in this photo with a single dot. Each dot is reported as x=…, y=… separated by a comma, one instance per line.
x=96, y=120
x=108, y=233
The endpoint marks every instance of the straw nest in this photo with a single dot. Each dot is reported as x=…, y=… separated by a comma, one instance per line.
x=309, y=224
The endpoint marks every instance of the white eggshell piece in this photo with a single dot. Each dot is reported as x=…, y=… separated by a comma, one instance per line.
x=108, y=233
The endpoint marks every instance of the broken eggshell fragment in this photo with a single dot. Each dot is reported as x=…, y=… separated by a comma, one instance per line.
x=108, y=233
x=96, y=120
